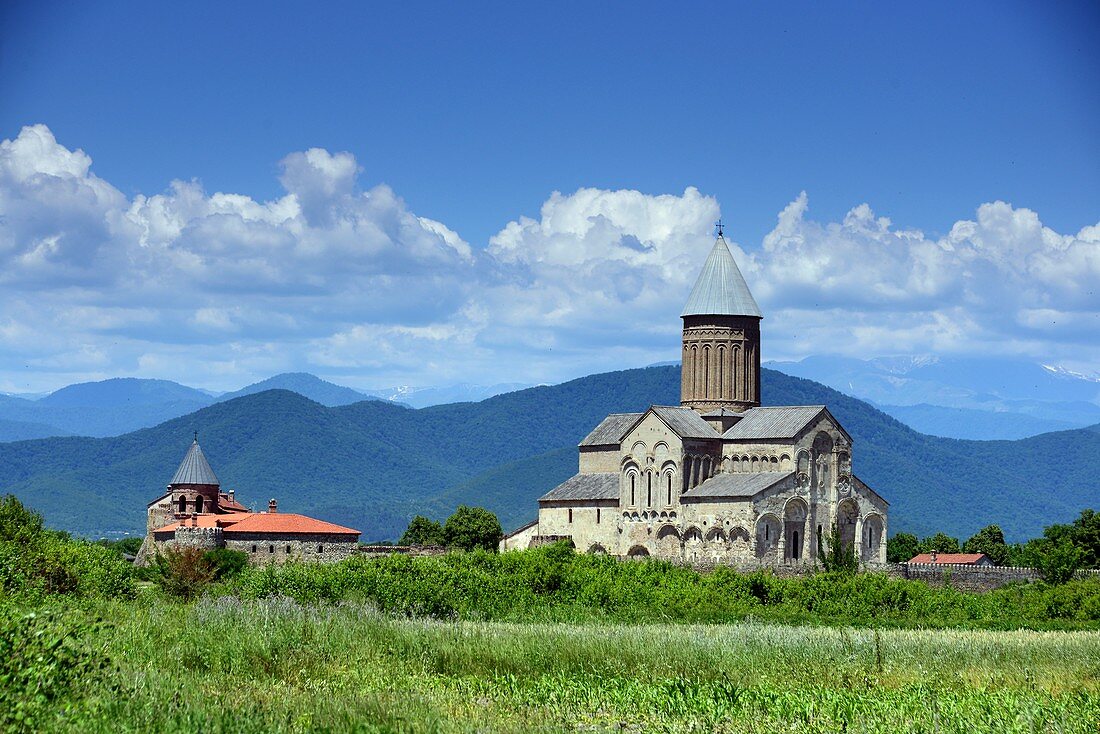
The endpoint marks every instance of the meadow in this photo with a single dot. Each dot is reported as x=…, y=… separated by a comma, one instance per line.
x=276, y=665
x=541, y=640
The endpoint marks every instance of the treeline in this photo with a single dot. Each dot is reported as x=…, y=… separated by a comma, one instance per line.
x=1061, y=551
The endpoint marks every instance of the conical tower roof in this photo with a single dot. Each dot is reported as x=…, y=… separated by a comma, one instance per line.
x=194, y=468
x=721, y=290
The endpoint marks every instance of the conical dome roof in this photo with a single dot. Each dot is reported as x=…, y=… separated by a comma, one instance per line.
x=721, y=290
x=194, y=468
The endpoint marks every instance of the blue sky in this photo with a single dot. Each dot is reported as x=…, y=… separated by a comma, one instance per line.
x=470, y=117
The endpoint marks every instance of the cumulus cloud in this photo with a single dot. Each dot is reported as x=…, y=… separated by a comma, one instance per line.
x=217, y=289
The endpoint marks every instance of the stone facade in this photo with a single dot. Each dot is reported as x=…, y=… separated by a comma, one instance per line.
x=718, y=479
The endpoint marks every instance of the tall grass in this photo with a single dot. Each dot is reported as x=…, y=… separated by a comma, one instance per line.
x=274, y=665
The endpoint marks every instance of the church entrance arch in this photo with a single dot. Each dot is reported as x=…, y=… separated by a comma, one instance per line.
x=794, y=529
x=846, y=516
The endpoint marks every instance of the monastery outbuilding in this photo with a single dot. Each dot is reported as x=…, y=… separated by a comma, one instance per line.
x=195, y=513
x=717, y=478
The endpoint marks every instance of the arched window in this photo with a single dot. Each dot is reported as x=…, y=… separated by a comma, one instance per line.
x=649, y=489
x=320, y=549
x=597, y=515
x=182, y=504
x=271, y=549
x=631, y=489
x=253, y=547
x=669, y=477
x=570, y=514
x=706, y=372
x=198, y=504
x=288, y=549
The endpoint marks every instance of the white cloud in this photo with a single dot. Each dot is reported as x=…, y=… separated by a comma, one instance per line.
x=217, y=289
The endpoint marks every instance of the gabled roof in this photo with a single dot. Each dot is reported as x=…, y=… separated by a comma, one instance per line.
x=229, y=505
x=721, y=290
x=599, y=486
x=780, y=422
x=286, y=523
x=611, y=430
x=863, y=488
x=194, y=468
x=685, y=422
x=737, y=485
x=968, y=559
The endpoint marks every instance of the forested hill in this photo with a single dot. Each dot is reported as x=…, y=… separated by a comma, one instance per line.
x=373, y=464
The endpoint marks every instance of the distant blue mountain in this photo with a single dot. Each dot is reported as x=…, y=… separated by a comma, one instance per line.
x=972, y=398
x=24, y=431
x=463, y=392
x=305, y=384
x=122, y=391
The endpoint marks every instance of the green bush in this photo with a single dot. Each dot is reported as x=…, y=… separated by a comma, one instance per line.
x=555, y=583
x=226, y=563
x=184, y=572
x=45, y=665
x=35, y=562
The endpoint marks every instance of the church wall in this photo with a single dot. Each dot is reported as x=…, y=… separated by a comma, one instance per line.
x=599, y=460
x=520, y=539
x=587, y=523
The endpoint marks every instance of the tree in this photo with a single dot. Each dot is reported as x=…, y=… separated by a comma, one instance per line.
x=1060, y=561
x=991, y=541
x=941, y=542
x=836, y=555
x=422, y=531
x=472, y=527
x=902, y=547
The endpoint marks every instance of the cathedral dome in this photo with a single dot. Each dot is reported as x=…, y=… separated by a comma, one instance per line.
x=721, y=290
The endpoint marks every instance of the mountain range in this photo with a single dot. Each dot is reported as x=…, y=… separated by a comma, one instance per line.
x=120, y=405
x=373, y=464
x=973, y=398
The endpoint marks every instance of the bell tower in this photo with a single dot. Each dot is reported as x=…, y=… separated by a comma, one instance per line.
x=720, y=365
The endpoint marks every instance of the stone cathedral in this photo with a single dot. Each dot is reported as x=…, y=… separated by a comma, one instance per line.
x=718, y=478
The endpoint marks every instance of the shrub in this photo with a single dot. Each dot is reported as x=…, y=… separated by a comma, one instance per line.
x=184, y=573
x=226, y=563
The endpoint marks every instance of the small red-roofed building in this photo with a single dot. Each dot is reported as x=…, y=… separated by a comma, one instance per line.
x=952, y=559
x=195, y=513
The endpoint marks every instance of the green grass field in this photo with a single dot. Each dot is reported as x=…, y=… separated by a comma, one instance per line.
x=273, y=665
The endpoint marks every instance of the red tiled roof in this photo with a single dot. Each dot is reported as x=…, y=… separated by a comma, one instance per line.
x=230, y=505
x=286, y=523
x=961, y=558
